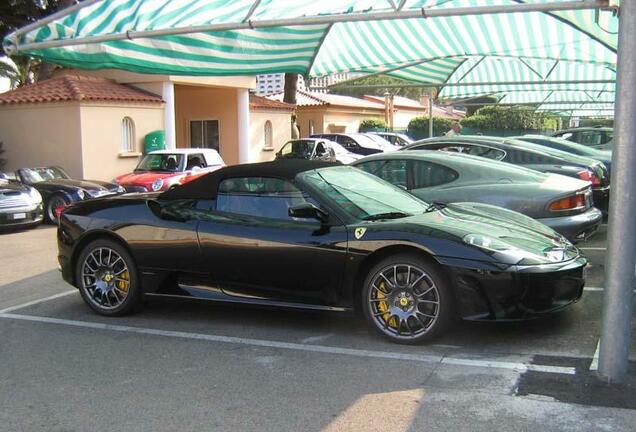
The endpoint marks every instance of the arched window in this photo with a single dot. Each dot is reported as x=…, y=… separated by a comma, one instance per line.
x=127, y=135
x=268, y=135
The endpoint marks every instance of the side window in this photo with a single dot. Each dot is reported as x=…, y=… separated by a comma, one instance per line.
x=485, y=152
x=591, y=138
x=426, y=174
x=393, y=171
x=521, y=157
x=258, y=196
x=195, y=161
x=347, y=142
x=567, y=136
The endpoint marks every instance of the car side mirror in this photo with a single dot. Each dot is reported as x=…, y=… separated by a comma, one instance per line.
x=307, y=211
x=162, y=213
x=196, y=168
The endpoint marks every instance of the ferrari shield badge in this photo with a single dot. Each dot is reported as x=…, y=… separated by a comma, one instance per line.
x=359, y=232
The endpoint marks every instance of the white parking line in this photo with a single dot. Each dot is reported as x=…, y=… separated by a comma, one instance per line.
x=34, y=302
x=485, y=363
x=594, y=364
x=592, y=248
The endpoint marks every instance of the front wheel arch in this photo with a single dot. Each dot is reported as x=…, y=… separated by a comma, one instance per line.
x=97, y=235
x=379, y=255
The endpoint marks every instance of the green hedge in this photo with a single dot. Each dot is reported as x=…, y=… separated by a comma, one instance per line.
x=509, y=118
x=418, y=126
x=372, y=125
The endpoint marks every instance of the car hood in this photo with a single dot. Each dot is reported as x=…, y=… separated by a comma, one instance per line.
x=13, y=187
x=145, y=178
x=530, y=242
x=89, y=185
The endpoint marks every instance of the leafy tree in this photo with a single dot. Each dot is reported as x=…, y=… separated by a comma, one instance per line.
x=18, y=13
x=509, y=118
x=418, y=126
x=372, y=125
x=19, y=73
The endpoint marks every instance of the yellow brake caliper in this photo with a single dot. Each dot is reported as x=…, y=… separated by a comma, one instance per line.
x=123, y=282
x=384, y=306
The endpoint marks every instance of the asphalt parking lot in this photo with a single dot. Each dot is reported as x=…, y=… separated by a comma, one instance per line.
x=193, y=366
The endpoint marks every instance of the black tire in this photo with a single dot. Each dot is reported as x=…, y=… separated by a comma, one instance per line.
x=405, y=316
x=53, y=201
x=113, y=290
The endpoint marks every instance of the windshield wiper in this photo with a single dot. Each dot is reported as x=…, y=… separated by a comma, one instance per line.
x=387, y=215
x=435, y=206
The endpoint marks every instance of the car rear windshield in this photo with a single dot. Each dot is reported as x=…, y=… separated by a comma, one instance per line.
x=169, y=162
x=362, y=195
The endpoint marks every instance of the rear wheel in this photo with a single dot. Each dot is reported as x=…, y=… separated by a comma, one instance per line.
x=54, y=207
x=407, y=299
x=107, y=278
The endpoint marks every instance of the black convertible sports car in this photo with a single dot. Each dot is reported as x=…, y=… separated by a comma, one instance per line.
x=58, y=189
x=315, y=235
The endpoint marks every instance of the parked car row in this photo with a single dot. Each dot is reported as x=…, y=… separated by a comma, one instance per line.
x=32, y=195
x=563, y=184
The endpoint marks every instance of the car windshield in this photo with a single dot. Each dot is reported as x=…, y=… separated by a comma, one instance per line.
x=165, y=162
x=361, y=195
x=298, y=149
x=35, y=175
x=365, y=141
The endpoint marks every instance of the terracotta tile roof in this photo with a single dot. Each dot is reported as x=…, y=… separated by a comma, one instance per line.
x=305, y=98
x=257, y=102
x=66, y=88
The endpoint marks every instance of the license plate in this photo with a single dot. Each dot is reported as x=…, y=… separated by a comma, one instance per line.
x=17, y=216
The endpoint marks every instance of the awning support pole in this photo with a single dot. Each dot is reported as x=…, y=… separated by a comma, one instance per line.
x=621, y=249
x=431, y=93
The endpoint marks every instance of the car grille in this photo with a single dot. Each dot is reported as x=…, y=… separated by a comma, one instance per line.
x=135, y=189
x=14, y=199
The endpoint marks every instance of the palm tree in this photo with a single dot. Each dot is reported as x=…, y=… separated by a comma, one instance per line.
x=19, y=71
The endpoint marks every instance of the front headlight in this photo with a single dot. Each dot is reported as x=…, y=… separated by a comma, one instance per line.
x=35, y=195
x=157, y=185
x=487, y=243
x=506, y=253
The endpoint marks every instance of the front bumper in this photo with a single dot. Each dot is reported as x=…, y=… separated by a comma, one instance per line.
x=578, y=227
x=518, y=293
x=21, y=216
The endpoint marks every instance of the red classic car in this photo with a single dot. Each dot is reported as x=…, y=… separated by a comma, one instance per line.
x=162, y=169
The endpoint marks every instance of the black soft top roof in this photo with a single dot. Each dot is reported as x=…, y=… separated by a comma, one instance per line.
x=207, y=186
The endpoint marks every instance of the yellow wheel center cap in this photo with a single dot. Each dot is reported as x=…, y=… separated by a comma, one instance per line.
x=404, y=301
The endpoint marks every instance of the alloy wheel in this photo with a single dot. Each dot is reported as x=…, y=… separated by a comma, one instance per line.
x=404, y=301
x=105, y=278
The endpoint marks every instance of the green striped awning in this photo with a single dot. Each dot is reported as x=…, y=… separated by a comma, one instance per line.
x=239, y=37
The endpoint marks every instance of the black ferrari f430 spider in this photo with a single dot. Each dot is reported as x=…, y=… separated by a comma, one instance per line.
x=317, y=235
